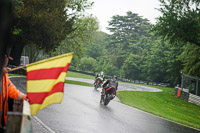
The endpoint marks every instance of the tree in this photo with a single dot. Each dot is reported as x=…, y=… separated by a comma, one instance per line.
x=77, y=41
x=111, y=70
x=87, y=64
x=162, y=63
x=97, y=48
x=180, y=21
x=43, y=23
x=127, y=31
x=83, y=35
x=131, y=67
x=129, y=28
x=191, y=59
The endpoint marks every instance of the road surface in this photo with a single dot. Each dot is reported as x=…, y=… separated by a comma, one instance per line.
x=81, y=112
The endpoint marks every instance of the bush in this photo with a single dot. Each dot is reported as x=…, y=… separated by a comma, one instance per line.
x=87, y=64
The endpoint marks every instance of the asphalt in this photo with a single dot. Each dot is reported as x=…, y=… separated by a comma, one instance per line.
x=81, y=112
x=39, y=127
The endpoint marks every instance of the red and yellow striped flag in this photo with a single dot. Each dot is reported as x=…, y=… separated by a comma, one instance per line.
x=45, y=81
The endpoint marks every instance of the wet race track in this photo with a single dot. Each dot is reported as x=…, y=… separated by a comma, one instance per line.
x=81, y=112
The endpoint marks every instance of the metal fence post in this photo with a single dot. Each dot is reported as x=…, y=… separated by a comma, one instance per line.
x=182, y=78
x=197, y=86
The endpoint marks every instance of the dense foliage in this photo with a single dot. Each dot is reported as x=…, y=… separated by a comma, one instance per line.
x=132, y=51
x=41, y=25
x=180, y=21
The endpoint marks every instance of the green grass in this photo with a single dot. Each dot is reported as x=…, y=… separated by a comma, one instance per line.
x=79, y=75
x=78, y=83
x=163, y=104
x=16, y=75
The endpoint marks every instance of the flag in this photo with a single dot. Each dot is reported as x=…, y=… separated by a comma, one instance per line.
x=45, y=81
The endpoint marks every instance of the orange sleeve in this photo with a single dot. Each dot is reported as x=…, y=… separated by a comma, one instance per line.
x=14, y=93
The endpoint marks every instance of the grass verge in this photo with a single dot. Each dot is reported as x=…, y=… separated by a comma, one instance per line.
x=16, y=75
x=78, y=83
x=163, y=104
x=79, y=75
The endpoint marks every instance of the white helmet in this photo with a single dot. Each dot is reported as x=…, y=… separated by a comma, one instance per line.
x=101, y=73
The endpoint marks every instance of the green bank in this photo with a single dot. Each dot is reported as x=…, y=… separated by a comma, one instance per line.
x=78, y=83
x=163, y=104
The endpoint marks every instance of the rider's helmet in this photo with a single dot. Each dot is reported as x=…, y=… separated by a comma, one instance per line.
x=101, y=74
x=114, y=77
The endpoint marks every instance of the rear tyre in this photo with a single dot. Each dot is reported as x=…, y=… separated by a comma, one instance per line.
x=102, y=99
x=95, y=86
x=107, y=100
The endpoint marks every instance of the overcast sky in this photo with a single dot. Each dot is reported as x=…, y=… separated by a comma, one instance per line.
x=105, y=9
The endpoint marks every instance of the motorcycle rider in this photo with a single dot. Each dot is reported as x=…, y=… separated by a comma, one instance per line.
x=100, y=76
x=110, y=83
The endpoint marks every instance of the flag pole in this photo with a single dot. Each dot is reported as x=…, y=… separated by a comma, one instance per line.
x=16, y=68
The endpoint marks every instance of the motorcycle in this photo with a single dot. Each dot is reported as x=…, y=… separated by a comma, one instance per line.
x=98, y=83
x=109, y=95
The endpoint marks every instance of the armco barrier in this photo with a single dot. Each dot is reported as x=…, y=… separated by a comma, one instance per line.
x=187, y=96
x=194, y=99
